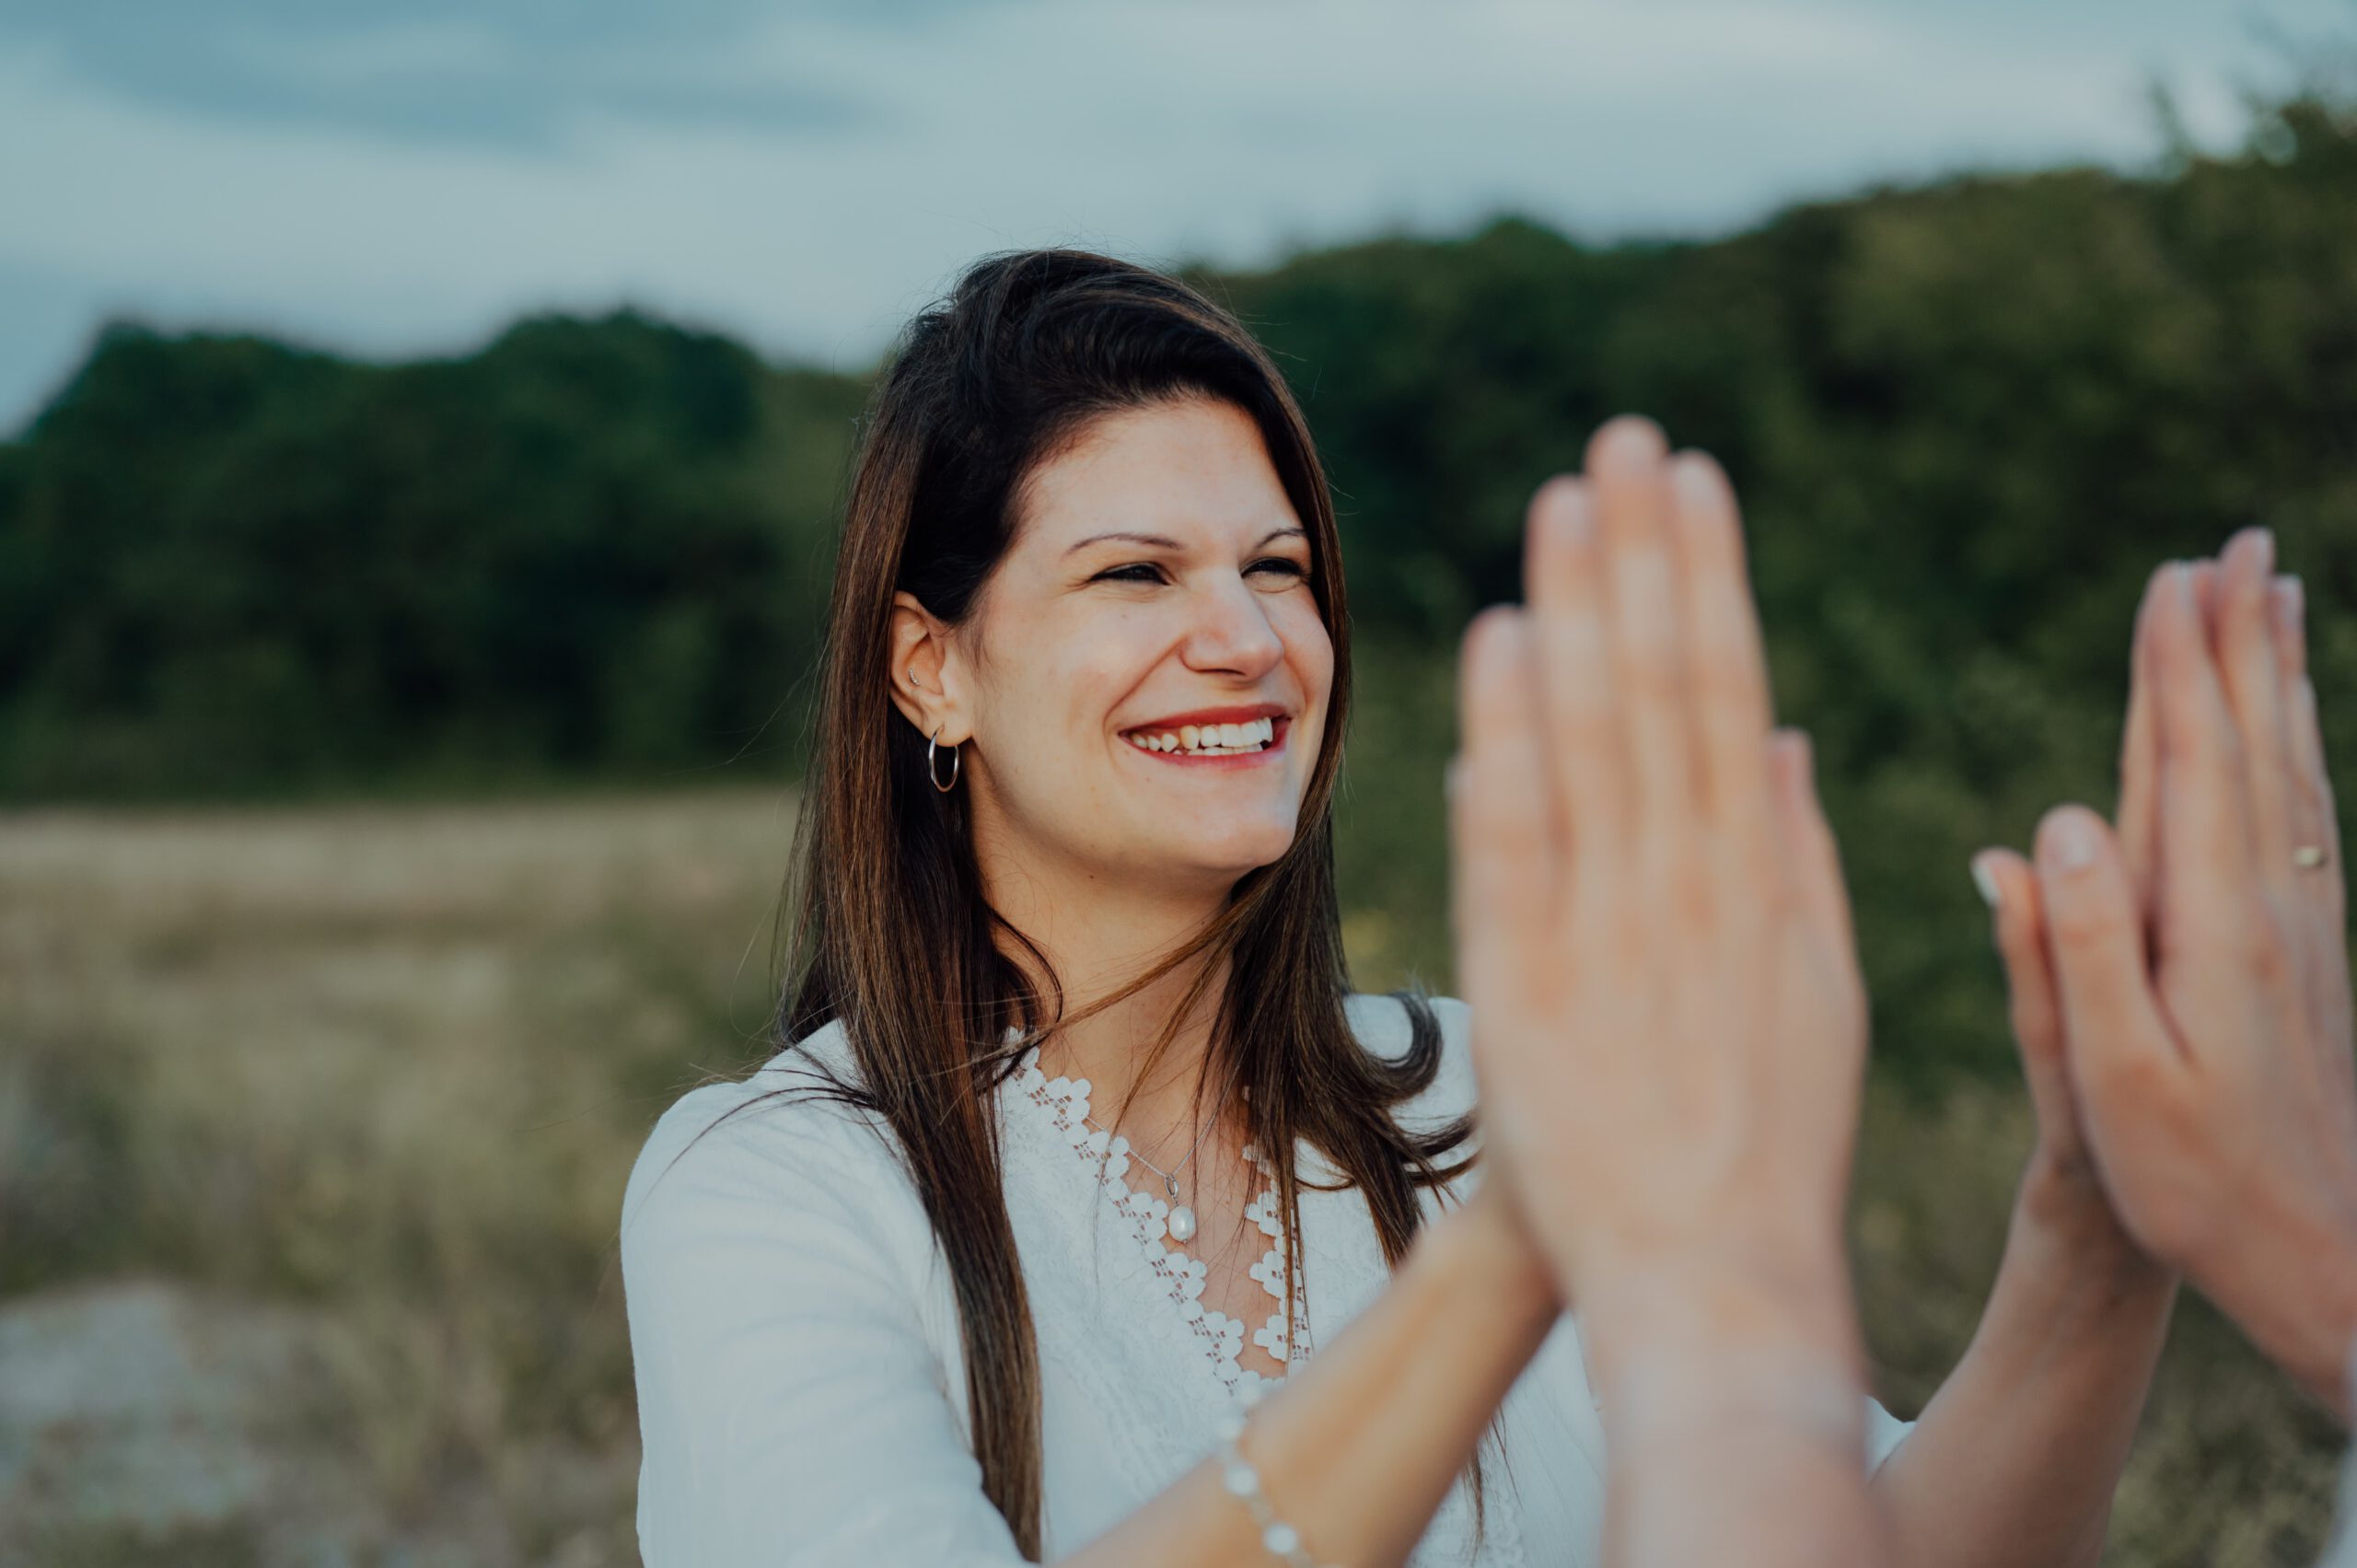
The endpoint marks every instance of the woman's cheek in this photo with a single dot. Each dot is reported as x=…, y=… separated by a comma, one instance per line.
x=1311, y=654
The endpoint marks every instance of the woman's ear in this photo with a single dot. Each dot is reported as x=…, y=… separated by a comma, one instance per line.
x=925, y=674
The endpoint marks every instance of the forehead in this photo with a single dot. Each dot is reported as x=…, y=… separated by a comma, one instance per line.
x=1193, y=469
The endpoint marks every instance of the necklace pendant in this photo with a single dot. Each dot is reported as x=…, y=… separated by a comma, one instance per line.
x=1182, y=1218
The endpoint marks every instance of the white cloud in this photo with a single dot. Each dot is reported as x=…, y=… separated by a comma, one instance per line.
x=1232, y=128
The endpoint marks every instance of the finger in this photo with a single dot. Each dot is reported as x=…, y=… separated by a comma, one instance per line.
x=2324, y=811
x=1727, y=667
x=2325, y=901
x=2322, y=901
x=2287, y=607
x=2206, y=840
x=1584, y=748
x=1812, y=859
x=2033, y=1006
x=2314, y=818
x=1635, y=518
x=2116, y=1038
x=2322, y=904
x=1505, y=854
x=2243, y=637
x=2315, y=890
x=2140, y=756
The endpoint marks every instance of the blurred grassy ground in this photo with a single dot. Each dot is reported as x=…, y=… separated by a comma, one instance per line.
x=367, y=1082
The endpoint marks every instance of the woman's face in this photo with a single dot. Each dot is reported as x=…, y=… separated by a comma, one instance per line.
x=1157, y=591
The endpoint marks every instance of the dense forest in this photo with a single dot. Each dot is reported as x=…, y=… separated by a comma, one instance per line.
x=1967, y=419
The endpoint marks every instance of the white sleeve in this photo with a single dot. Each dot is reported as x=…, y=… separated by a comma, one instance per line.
x=794, y=1412
x=1884, y=1433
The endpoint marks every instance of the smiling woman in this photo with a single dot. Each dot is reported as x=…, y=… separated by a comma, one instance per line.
x=901, y=1297
x=1201, y=615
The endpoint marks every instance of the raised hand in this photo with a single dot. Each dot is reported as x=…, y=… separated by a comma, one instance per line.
x=1668, y=1021
x=2064, y=1223
x=2206, y=1022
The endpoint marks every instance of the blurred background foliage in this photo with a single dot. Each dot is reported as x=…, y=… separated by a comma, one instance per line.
x=1967, y=421
x=390, y=1068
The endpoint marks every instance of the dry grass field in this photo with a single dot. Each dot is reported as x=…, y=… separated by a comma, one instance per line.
x=385, y=1070
x=313, y=1131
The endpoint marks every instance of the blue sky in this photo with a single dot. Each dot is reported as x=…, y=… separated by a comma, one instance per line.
x=394, y=178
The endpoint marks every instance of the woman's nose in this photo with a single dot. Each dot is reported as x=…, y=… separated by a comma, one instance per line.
x=1233, y=631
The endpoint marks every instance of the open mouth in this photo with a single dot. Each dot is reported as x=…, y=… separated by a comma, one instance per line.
x=1205, y=744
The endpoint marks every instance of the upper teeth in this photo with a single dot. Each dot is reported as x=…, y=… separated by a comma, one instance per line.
x=1211, y=738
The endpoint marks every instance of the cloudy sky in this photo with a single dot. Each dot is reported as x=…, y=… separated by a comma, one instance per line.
x=391, y=178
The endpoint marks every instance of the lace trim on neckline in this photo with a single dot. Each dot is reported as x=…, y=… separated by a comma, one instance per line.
x=1147, y=1217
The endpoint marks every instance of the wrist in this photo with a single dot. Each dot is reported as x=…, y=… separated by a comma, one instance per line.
x=1668, y=1398
x=1712, y=1312
x=1684, y=1362
x=2298, y=1301
x=1484, y=1246
x=2070, y=1262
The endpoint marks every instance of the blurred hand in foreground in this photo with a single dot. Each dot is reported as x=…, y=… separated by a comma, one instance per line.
x=2197, y=971
x=1668, y=1021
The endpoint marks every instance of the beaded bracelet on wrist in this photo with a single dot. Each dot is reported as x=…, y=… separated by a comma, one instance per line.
x=1243, y=1483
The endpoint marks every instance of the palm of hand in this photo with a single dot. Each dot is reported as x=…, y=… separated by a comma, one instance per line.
x=2250, y=967
x=1679, y=1055
x=2190, y=977
x=1668, y=1022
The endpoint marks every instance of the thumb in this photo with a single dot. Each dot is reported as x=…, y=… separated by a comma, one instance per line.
x=2032, y=1003
x=2112, y=1025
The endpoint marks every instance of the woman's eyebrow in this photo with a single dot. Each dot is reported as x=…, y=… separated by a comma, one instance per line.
x=1166, y=542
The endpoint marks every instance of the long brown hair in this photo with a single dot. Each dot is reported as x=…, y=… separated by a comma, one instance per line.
x=891, y=932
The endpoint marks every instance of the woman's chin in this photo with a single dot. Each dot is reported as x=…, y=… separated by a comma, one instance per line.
x=1211, y=856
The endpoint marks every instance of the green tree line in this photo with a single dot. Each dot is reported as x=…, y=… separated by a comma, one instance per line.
x=1967, y=419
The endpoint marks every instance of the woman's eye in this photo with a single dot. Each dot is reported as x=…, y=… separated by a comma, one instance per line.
x=1154, y=574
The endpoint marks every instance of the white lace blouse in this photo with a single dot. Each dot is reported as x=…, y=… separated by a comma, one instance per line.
x=801, y=1387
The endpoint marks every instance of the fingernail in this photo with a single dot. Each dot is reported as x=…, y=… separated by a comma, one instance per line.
x=1689, y=474
x=2183, y=573
x=1490, y=637
x=1632, y=435
x=2069, y=842
x=1567, y=512
x=2265, y=536
x=2295, y=594
x=1984, y=878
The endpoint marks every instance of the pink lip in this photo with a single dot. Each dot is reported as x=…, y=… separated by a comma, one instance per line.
x=1280, y=730
x=1201, y=716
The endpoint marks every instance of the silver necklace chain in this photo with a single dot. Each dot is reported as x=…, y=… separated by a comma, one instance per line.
x=1181, y=1221
x=1170, y=1176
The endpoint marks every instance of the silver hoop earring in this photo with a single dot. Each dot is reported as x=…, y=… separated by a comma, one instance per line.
x=934, y=773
